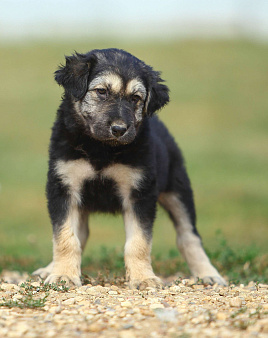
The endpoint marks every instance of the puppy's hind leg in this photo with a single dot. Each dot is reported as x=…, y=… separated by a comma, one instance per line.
x=188, y=239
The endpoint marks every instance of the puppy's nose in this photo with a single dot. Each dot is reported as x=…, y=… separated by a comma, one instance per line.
x=118, y=130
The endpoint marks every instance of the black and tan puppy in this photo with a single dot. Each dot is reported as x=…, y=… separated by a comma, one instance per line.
x=110, y=153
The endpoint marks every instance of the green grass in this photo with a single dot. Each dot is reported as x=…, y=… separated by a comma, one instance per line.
x=243, y=265
x=218, y=115
x=27, y=302
x=33, y=297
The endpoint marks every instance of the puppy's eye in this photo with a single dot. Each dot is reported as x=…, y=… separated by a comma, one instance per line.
x=102, y=92
x=135, y=98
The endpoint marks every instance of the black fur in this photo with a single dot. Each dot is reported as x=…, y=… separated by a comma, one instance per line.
x=152, y=149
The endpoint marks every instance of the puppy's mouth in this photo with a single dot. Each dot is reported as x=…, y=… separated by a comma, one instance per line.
x=111, y=141
x=115, y=142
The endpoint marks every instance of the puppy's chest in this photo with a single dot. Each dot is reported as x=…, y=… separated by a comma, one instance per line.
x=104, y=190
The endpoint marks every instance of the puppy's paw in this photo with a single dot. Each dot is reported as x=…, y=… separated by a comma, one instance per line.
x=213, y=280
x=154, y=282
x=69, y=280
x=44, y=272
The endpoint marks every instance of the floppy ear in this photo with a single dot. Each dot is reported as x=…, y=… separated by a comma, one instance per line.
x=158, y=95
x=74, y=75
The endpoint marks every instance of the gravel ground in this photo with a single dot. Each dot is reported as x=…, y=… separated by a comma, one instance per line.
x=181, y=309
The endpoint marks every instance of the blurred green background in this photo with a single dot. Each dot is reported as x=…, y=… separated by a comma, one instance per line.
x=217, y=114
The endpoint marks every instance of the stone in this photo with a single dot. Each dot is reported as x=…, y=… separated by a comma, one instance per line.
x=69, y=301
x=126, y=304
x=175, y=288
x=198, y=286
x=166, y=315
x=126, y=334
x=156, y=306
x=221, y=316
x=17, y=297
x=264, y=327
x=95, y=327
x=22, y=328
x=235, y=302
x=95, y=290
x=8, y=287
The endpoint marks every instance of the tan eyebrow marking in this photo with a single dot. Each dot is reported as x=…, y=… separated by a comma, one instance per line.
x=135, y=86
x=107, y=80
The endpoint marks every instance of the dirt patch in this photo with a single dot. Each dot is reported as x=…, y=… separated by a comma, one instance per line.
x=181, y=309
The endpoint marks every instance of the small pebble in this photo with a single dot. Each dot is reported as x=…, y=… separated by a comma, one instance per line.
x=221, y=316
x=95, y=327
x=22, y=328
x=166, y=315
x=127, y=334
x=156, y=306
x=126, y=304
x=69, y=301
x=17, y=297
x=8, y=287
x=236, y=302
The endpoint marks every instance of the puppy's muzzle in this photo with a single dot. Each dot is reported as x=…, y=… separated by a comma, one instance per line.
x=118, y=130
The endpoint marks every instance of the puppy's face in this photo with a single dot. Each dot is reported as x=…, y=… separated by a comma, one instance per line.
x=112, y=108
x=112, y=92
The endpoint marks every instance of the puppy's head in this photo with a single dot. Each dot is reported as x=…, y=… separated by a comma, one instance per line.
x=112, y=92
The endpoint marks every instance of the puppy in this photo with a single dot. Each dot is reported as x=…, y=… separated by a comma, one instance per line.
x=110, y=153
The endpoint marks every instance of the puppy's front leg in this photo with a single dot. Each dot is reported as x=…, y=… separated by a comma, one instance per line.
x=68, y=241
x=70, y=225
x=137, y=252
x=67, y=251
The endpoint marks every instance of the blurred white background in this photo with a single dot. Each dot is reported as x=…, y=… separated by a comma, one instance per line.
x=20, y=19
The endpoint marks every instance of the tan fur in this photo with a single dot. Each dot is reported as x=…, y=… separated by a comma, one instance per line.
x=73, y=174
x=137, y=247
x=71, y=240
x=137, y=251
x=135, y=86
x=44, y=272
x=67, y=247
x=147, y=101
x=188, y=243
x=67, y=250
x=82, y=228
x=126, y=179
x=107, y=80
